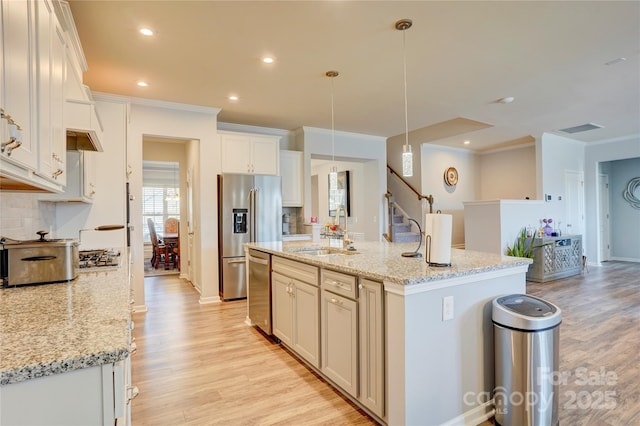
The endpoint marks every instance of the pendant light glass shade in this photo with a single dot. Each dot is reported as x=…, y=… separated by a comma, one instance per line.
x=407, y=155
x=407, y=161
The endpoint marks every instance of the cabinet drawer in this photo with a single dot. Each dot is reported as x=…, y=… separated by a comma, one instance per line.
x=339, y=283
x=297, y=270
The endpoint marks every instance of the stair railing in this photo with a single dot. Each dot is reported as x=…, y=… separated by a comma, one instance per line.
x=420, y=196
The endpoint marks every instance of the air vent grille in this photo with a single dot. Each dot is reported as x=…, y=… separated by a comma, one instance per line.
x=581, y=128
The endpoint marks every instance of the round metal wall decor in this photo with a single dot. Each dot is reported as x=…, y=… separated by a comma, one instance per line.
x=451, y=176
x=629, y=194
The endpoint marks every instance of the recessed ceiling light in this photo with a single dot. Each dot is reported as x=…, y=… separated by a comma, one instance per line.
x=233, y=98
x=615, y=61
x=143, y=84
x=466, y=142
x=268, y=60
x=507, y=100
x=146, y=32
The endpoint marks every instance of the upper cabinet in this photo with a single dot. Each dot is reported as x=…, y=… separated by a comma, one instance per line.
x=41, y=53
x=249, y=153
x=291, y=172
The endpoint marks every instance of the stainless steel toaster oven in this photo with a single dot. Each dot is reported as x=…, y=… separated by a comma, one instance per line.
x=39, y=261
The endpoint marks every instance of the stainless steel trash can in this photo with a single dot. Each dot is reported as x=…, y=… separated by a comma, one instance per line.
x=526, y=344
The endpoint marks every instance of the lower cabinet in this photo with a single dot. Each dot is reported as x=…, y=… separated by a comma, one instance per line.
x=340, y=341
x=295, y=308
x=87, y=396
x=371, y=331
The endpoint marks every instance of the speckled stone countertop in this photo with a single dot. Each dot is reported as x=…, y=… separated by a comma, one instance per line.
x=382, y=261
x=54, y=328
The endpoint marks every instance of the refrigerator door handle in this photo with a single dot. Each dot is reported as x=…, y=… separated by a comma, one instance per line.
x=252, y=215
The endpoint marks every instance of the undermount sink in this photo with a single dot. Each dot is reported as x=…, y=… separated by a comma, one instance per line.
x=326, y=251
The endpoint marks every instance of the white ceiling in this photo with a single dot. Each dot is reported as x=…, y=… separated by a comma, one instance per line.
x=461, y=58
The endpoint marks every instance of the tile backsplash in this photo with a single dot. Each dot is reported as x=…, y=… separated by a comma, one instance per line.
x=22, y=215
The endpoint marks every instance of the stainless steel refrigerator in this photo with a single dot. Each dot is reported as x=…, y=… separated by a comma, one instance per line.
x=249, y=209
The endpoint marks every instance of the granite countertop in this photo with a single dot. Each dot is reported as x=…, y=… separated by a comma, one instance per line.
x=382, y=261
x=54, y=328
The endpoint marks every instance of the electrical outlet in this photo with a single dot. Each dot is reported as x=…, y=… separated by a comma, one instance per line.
x=447, y=308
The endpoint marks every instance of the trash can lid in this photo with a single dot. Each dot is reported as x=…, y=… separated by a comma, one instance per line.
x=525, y=312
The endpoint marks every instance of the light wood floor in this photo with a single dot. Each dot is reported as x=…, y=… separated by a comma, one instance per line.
x=201, y=365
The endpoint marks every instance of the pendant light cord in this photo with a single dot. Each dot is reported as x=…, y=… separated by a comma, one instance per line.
x=332, y=126
x=406, y=114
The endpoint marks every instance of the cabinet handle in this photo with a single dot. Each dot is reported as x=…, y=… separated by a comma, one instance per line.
x=132, y=392
x=336, y=301
x=132, y=348
x=132, y=325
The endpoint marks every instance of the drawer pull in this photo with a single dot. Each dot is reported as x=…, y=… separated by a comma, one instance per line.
x=133, y=392
x=133, y=347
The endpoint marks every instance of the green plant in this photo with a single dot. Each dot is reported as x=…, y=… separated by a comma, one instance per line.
x=522, y=247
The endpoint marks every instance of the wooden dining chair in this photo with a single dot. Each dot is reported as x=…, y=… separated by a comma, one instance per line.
x=172, y=226
x=159, y=249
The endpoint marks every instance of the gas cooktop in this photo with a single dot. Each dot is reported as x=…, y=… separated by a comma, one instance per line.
x=99, y=258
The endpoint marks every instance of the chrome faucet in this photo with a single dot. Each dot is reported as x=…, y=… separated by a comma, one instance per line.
x=346, y=242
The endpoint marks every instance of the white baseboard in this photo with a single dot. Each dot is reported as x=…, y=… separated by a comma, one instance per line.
x=474, y=416
x=208, y=300
x=625, y=259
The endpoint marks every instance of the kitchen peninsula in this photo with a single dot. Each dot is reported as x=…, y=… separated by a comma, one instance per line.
x=65, y=352
x=435, y=362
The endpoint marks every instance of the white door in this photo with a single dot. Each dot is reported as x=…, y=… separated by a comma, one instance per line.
x=574, y=203
x=604, y=224
x=187, y=260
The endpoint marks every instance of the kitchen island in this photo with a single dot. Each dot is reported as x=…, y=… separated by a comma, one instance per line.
x=64, y=357
x=436, y=333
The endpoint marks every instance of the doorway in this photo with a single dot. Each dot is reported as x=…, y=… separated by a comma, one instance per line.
x=164, y=205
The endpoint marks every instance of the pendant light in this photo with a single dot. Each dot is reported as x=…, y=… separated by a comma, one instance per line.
x=176, y=190
x=333, y=172
x=407, y=155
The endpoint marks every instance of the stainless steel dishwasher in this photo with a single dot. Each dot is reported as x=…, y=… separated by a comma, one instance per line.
x=260, y=290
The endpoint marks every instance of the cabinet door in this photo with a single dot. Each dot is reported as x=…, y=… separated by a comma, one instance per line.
x=265, y=155
x=19, y=77
x=58, y=130
x=282, y=310
x=306, y=325
x=339, y=331
x=291, y=173
x=371, y=319
x=236, y=153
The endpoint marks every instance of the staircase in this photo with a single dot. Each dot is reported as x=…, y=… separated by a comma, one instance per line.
x=401, y=229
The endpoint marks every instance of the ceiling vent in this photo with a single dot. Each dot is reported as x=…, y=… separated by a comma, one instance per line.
x=582, y=128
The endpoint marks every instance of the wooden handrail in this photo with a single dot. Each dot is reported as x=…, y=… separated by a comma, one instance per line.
x=429, y=198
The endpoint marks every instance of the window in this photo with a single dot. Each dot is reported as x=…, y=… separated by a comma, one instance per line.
x=160, y=195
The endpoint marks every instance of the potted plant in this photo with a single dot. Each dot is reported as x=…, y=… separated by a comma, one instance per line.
x=522, y=247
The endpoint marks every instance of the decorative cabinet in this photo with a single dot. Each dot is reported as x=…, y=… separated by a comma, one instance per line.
x=339, y=330
x=555, y=257
x=87, y=396
x=250, y=153
x=291, y=172
x=371, y=334
x=295, y=310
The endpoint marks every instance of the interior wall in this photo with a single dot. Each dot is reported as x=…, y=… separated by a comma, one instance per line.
x=449, y=199
x=624, y=218
x=508, y=174
x=354, y=147
x=595, y=153
x=164, y=119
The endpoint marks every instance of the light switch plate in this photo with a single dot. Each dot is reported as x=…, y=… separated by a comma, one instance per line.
x=447, y=308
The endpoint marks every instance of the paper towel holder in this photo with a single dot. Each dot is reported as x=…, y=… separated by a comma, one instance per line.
x=428, y=254
x=415, y=253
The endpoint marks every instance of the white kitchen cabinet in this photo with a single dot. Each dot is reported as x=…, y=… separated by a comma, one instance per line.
x=81, y=178
x=51, y=65
x=87, y=396
x=250, y=153
x=291, y=172
x=18, y=82
x=339, y=341
x=371, y=333
x=295, y=309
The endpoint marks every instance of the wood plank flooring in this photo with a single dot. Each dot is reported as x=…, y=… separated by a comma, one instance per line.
x=201, y=365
